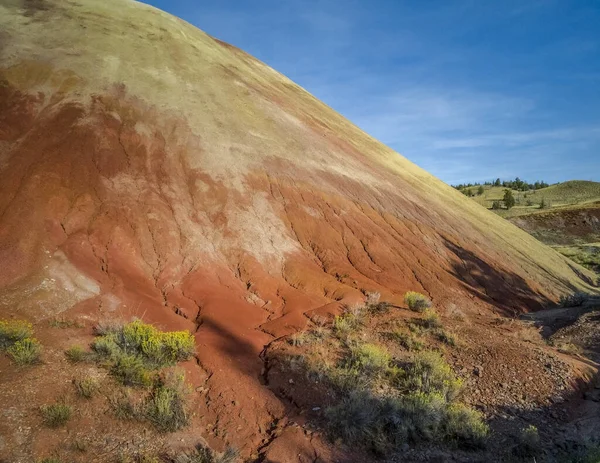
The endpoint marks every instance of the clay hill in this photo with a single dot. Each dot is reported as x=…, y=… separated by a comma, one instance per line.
x=151, y=171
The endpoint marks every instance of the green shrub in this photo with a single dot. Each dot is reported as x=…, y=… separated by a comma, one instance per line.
x=25, y=352
x=56, y=415
x=369, y=359
x=431, y=319
x=508, y=199
x=166, y=406
x=12, y=331
x=137, y=338
x=345, y=325
x=107, y=346
x=383, y=424
x=131, y=370
x=429, y=373
x=134, y=350
x=409, y=341
x=445, y=337
x=416, y=302
x=162, y=348
x=465, y=425
x=86, y=387
x=76, y=354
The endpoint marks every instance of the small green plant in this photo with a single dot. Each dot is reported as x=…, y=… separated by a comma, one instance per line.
x=429, y=373
x=76, y=354
x=370, y=359
x=431, y=319
x=133, y=351
x=347, y=324
x=86, y=387
x=166, y=406
x=12, y=331
x=465, y=425
x=416, y=302
x=56, y=415
x=131, y=371
x=407, y=340
x=496, y=205
x=25, y=352
x=444, y=336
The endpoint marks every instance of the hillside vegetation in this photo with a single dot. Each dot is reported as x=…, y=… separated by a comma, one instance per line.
x=560, y=195
x=565, y=215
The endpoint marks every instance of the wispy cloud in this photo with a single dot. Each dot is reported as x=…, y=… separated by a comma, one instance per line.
x=468, y=90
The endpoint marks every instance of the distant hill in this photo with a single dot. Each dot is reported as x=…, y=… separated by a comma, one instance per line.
x=565, y=216
x=566, y=194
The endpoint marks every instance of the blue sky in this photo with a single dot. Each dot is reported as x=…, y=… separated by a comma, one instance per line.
x=469, y=89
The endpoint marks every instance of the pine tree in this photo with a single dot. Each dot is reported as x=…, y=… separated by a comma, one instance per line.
x=509, y=199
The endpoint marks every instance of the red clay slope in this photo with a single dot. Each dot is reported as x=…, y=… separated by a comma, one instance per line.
x=150, y=170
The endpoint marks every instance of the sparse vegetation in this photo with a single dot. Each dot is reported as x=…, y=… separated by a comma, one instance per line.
x=63, y=323
x=16, y=339
x=370, y=359
x=382, y=401
x=131, y=370
x=345, y=325
x=165, y=408
x=12, y=331
x=417, y=302
x=590, y=453
x=25, y=352
x=408, y=340
x=444, y=336
x=431, y=319
x=86, y=387
x=79, y=445
x=133, y=351
x=429, y=373
x=56, y=415
x=76, y=354
x=373, y=305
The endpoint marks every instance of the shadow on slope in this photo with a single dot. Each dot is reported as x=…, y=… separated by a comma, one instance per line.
x=507, y=291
